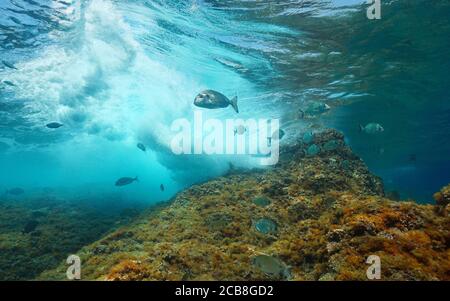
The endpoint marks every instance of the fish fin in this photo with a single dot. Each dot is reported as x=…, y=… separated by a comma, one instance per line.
x=233, y=103
x=361, y=128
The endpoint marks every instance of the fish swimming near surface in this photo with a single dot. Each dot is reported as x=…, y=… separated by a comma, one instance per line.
x=7, y=82
x=161, y=187
x=9, y=65
x=371, y=128
x=15, y=191
x=141, y=147
x=54, y=125
x=210, y=99
x=126, y=181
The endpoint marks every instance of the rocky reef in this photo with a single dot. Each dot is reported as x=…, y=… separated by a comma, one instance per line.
x=36, y=234
x=317, y=215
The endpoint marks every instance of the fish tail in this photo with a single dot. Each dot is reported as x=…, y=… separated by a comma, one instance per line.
x=233, y=103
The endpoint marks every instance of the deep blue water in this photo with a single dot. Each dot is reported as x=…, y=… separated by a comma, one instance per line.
x=116, y=73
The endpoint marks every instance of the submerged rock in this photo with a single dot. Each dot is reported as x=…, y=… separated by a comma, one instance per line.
x=333, y=214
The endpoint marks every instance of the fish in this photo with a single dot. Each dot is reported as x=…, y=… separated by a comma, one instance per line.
x=7, y=82
x=281, y=134
x=54, y=125
x=9, y=65
x=15, y=191
x=210, y=99
x=141, y=147
x=161, y=187
x=126, y=181
x=412, y=158
x=272, y=266
x=314, y=109
x=230, y=64
x=312, y=150
x=308, y=137
x=371, y=128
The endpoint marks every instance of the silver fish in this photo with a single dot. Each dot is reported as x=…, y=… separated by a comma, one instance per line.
x=371, y=128
x=125, y=181
x=210, y=99
x=54, y=125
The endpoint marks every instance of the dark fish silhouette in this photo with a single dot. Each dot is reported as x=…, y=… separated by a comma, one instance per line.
x=30, y=226
x=125, y=181
x=54, y=125
x=412, y=158
x=141, y=147
x=9, y=65
x=161, y=187
x=210, y=99
x=281, y=134
x=7, y=82
x=15, y=191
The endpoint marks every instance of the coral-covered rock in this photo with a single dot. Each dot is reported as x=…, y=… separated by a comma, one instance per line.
x=321, y=218
x=442, y=199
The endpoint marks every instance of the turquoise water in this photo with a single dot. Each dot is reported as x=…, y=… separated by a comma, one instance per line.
x=118, y=73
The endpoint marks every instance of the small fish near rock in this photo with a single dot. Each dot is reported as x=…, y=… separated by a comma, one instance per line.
x=54, y=125
x=141, y=147
x=126, y=181
x=371, y=128
x=272, y=267
x=276, y=136
x=210, y=99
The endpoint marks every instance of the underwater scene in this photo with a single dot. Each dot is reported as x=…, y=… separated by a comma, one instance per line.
x=224, y=140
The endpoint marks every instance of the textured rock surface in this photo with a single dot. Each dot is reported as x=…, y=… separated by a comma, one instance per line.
x=330, y=214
